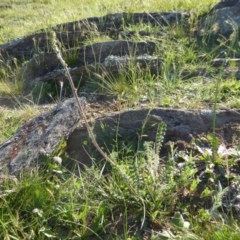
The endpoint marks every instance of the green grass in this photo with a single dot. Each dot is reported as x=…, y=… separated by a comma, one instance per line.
x=18, y=18
x=142, y=194
x=133, y=197
x=12, y=118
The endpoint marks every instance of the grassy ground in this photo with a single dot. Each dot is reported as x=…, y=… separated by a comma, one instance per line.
x=135, y=198
x=18, y=18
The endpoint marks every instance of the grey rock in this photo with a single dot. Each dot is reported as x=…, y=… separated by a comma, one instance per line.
x=88, y=60
x=223, y=21
x=112, y=65
x=182, y=127
x=225, y=3
x=38, y=138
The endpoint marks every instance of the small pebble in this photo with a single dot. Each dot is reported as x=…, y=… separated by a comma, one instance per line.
x=57, y=160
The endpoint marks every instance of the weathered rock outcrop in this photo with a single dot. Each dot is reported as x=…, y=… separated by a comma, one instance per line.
x=91, y=60
x=41, y=64
x=112, y=65
x=182, y=127
x=75, y=33
x=87, y=60
x=43, y=134
x=39, y=137
x=223, y=21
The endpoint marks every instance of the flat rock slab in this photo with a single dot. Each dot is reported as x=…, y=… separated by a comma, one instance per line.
x=37, y=138
x=182, y=127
